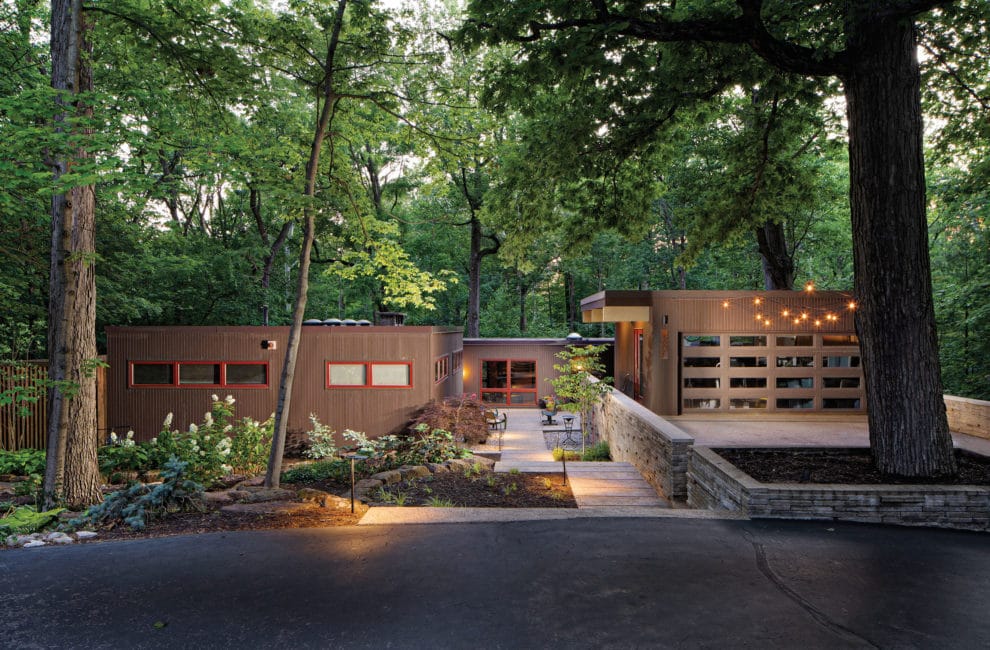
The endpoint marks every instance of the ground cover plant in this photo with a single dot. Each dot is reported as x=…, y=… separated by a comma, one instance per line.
x=23, y=462
x=479, y=488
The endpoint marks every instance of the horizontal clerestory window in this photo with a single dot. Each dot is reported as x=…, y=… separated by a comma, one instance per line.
x=197, y=374
x=369, y=374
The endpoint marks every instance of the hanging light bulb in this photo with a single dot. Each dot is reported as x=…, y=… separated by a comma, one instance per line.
x=818, y=323
x=759, y=317
x=785, y=313
x=725, y=304
x=852, y=305
x=804, y=316
x=797, y=321
x=809, y=286
x=756, y=301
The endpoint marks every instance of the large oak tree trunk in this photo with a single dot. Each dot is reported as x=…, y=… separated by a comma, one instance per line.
x=909, y=433
x=71, y=473
x=474, y=282
x=777, y=261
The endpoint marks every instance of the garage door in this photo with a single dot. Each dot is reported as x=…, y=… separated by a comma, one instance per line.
x=770, y=373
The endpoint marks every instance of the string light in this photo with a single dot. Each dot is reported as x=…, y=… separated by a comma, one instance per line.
x=809, y=286
x=756, y=301
x=828, y=309
x=786, y=313
x=725, y=304
x=852, y=305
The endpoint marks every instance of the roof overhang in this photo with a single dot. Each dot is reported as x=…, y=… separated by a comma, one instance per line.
x=616, y=306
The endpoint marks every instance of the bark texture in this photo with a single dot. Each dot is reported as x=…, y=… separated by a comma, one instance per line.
x=71, y=474
x=330, y=99
x=909, y=433
x=777, y=260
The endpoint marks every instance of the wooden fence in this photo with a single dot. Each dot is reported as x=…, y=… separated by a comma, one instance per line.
x=25, y=424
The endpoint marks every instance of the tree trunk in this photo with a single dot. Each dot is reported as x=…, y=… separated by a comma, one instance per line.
x=523, y=292
x=282, y=410
x=909, y=433
x=777, y=261
x=71, y=473
x=474, y=282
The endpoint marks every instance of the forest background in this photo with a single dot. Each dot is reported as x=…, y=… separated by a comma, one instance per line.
x=435, y=198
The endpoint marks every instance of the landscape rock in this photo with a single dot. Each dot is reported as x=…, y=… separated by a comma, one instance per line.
x=222, y=496
x=389, y=477
x=8, y=478
x=438, y=468
x=86, y=534
x=314, y=496
x=255, y=481
x=413, y=471
x=59, y=538
x=251, y=494
x=458, y=464
x=35, y=543
x=269, y=507
x=486, y=462
x=363, y=487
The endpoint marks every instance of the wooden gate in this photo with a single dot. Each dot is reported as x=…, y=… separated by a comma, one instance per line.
x=24, y=424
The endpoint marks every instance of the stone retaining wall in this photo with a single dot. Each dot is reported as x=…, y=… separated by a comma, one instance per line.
x=970, y=416
x=654, y=446
x=716, y=484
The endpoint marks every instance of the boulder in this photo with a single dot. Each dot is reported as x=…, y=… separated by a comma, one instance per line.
x=59, y=538
x=363, y=487
x=438, y=468
x=35, y=543
x=413, y=471
x=314, y=496
x=252, y=494
x=255, y=481
x=222, y=496
x=458, y=464
x=85, y=534
x=389, y=477
x=486, y=463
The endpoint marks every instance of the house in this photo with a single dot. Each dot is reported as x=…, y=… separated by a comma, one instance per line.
x=365, y=378
x=681, y=352
x=514, y=372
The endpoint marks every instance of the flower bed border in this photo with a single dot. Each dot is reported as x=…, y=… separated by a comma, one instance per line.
x=716, y=484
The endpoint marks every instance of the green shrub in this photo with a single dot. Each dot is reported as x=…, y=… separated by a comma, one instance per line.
x=558, y=454
x=125, y=455
x=428, y=446
x=216, y=447
x=141, y=503
x=597, y=452
x=321, y=440
x=464, y=417
x=22, y=462
x=25, y=520
x=321, y=470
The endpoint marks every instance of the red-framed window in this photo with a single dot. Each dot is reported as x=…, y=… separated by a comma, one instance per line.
x=369, y=374
x=441, y=369
x=197, y=374
x=511, y=382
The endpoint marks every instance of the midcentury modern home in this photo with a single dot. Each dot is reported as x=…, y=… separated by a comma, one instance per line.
x=680, y=352
x=518, y=372
x=366, y=378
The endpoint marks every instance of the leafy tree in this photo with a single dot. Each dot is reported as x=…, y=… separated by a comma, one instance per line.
x=634, y=65
x=575, y=386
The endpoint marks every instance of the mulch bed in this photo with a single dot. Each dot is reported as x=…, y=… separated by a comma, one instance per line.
x=841, y=466
x=485, y=490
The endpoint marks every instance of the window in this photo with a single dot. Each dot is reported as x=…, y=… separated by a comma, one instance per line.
x=508, y=381
x=795, y=382
x=701, y=382
x=840, y=382
x=198, y=374
x=801, y=340
x=441, y=369
x=747, y=341
x=748, y=382
x=701, y=362
x=840, y=362
x=456, y=360
x=747, y=362
x=748, y=403
x=795, y=403
x=697, y=340
x=840, y=403
x=702, y=403
x=152, y=374
x=839, y=339
x=369, y=374
x=795, y=362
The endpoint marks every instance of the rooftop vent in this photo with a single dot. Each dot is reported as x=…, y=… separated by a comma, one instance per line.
x=332, y=322
x=348, y=322
x=574, y=336
x=364, y=323
x=312, y=321
x=389, y=318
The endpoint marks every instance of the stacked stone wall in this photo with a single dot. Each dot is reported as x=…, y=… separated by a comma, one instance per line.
x=655, y=447
x=714, y=483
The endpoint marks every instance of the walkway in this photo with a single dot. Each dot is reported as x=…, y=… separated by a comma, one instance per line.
x=595, y=485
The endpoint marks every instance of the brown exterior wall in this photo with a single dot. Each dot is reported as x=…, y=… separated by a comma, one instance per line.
x=376, y=411
x=543, y=351
x=676, y=314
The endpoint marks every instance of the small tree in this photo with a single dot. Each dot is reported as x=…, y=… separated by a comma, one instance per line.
x=577, y=389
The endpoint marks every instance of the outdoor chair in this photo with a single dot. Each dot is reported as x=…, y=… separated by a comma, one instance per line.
x=496, y=420
x=548, y=415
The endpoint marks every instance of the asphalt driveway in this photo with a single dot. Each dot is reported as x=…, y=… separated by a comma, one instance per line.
x=570, y=583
